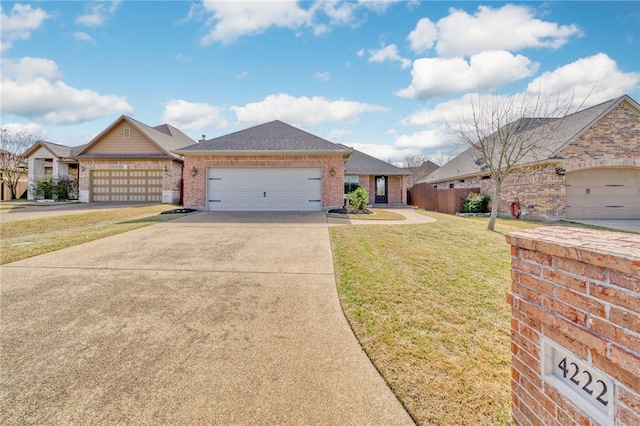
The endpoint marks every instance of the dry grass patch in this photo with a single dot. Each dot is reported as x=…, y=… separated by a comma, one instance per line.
x=378, y=214
x=428, y=305
x=27, y=238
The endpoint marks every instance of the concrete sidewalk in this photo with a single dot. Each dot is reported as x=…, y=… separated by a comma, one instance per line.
x=209, y=319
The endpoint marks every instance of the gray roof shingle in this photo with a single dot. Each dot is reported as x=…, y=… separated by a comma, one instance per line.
x=362, y=164
x=274, y=136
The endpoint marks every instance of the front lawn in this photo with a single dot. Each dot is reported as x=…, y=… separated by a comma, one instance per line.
x=428, y=304
x=27, y=238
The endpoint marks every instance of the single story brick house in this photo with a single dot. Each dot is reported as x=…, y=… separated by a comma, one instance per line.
x=128, y=161
x=278, y=167
x=590, y=169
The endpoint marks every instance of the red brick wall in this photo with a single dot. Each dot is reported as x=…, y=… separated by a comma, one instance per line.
x=332, y=185
x=579, y=289
x=396, y=188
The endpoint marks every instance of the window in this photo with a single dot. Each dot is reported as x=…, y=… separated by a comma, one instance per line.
x=126, y=132
x=351, y=183
x=450, y=185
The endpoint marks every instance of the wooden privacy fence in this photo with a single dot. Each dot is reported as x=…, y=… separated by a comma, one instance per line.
x=448, y=201
x=21, y=190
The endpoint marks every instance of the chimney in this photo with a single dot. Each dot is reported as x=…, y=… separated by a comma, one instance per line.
x=204, y=138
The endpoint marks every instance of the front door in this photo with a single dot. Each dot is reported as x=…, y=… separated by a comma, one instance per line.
x=381, y=190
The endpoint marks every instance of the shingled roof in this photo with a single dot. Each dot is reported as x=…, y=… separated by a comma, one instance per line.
x=363, y=164
x=273, y=137
x=56, y=149
x=469, y=163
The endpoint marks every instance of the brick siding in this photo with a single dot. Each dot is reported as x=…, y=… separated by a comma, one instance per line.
x=195, y=187
x=612, y=141
x=580, y=289
x=396, y=188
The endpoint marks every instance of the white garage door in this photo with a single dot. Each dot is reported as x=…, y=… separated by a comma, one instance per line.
x=603, y=194
x=264, y=189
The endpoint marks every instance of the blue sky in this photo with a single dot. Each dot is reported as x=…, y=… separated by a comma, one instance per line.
x=383, y=77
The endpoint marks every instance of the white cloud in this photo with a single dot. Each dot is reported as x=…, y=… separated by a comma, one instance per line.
x=32, y=88
x=32, y=129
x=338, y=135
x=82, y=36
x=302, y=111
x=242, y=75
x=422, y=139
x=441, y=77
x=388, y=54
x=597, y=74
x=232, y=20
x=97, y=13
x=322, y=76
x=511, y=27
x=189, y=115
x=388, y=153
x=19, y=23
x=423, y=36
x=228, y=21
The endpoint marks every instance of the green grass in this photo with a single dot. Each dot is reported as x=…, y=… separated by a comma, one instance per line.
x=428, y=304
x=27, y=238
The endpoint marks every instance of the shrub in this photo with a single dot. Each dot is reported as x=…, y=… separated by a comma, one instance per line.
x=359, y=198
x=475, y=203
x=63, y=188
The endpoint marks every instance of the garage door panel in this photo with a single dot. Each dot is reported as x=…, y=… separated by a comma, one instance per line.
x=126, y=185
x=603, y=194
x=264, y=189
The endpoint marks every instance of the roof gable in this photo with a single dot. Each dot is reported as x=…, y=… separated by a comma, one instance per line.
x=272, y=137
x=56, y=150
x=144, y=140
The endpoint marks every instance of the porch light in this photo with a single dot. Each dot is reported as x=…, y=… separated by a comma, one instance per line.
x=332, y=172
x=194, y=171
x=560, y=171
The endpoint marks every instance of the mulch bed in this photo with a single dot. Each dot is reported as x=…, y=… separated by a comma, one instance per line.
x=176, y=211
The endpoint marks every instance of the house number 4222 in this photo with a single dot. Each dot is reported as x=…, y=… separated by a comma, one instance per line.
x=583, y=379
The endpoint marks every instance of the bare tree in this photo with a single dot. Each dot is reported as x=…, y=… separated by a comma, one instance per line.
x=13, y=164
x=507, y=131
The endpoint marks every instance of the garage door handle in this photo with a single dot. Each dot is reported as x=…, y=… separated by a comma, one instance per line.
x=264, y=194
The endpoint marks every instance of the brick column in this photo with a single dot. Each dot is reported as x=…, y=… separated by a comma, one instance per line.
x=575, y=327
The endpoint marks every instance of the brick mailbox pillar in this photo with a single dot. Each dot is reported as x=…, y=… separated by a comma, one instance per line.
x=575, y=327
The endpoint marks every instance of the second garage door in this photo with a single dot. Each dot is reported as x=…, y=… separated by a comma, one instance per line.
x=126, y=185
x=607, y=193
x=264, y=189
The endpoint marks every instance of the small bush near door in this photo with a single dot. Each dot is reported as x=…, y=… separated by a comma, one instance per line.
x=52, y=188
x=475, y=203
x=359, y=198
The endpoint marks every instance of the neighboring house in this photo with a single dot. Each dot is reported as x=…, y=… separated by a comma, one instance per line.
x=278, y=167
x=48, y=158
x=130, y=161
x=419, y=173
x=22, y=185
x=590, y=169
x=385, y=183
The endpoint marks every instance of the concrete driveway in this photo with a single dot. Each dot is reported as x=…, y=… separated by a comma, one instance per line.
x=211, y=319
x=42, y=211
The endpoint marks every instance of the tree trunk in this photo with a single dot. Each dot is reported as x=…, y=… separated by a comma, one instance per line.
x=495, y=200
